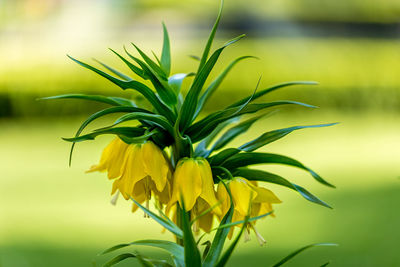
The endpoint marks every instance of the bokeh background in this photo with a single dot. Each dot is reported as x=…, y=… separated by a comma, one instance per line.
x=52, y=215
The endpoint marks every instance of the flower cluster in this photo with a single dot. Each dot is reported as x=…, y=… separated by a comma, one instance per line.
x=188, y=165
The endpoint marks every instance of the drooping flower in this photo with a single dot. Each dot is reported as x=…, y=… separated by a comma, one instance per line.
x=139, y=170
x=248, y=199
x=193, y=184
x=112, y=159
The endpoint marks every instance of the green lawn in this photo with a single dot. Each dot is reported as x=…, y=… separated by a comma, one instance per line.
x=52, y=215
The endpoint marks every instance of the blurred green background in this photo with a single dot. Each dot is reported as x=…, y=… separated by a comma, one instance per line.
x=52, y=215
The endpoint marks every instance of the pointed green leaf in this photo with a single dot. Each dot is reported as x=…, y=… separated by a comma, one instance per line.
x=202, y=128
x=156, y=76
x=227, y=254
x=116, y=72
x=295, y=253
x=189, y=106
x=216, y=83
x=175, y=81
x=131, y=84
x=130, y=132
x=258, y=175
x=164, y=221
x=244, y=221
x=156, y=70
x=174, y=249
x=233, y=132
x=100, y=114
x=192, y=254
x=221, y=234
x=166, y=53
x=271, y=89
x=221, y=157
x=116, y=247
x=156, y=119
x=211, y=37
x=114, y=101
x=201, y=149
x=118, y=259
x=274, y=135
x=252, y=158
x=133, y=68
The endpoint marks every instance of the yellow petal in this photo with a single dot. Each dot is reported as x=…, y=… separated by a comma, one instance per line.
x=116, y=159
x=102, y=166
x=223, y=197
x=187, y=183
x=265, y=195
x=242, y=195
x=155, y=165
x=208, y=193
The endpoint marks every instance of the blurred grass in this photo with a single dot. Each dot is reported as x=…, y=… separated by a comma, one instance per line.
x=53, y=215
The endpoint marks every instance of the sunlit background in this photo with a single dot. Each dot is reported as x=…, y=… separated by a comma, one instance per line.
x=52, y=215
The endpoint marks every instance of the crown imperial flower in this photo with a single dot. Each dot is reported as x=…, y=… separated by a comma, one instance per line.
x=169, y=121
x=193, y=184
x=138, y=170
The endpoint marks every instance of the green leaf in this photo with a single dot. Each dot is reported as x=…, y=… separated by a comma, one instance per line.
x=325, y=264
x=252, y=158
x=244, y=221
x=201, y=149
x=271, y=89
x=227, y=254
x=192, y=254
x=176, y=80
x=159, y=120
x=138, y=71
x=116, y=247
x=174, y=249
x=130, y=132
x=152, y=66
x=189, y=106
x=274, y=135
x=142, y=260
x=221, y=234
x=164, y=221
x=221, y=157
x=211, y=37
x=166, y=53
x=216, y=83
x=116, y=72
x=118, y=259
x=97, y=115
x=135, y=85
x=156, y=76
x=111, y=100
x=202, y=128
x=258, y=175
x=233, y=132
x=293, y=254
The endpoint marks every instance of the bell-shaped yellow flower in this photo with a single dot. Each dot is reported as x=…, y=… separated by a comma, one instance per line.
x=112, y=159
x=248, y=199
x=139, y=169
x=193, y=184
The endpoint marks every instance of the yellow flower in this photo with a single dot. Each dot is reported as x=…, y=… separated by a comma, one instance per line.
x=112, y=159
x=193, y=184
x=139, y=169
x=248, y=199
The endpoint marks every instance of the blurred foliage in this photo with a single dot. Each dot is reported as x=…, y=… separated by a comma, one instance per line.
x=354, y=74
